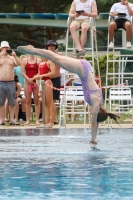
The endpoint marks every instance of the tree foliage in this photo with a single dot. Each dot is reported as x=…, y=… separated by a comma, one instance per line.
x=35, y=35
x=105, y=5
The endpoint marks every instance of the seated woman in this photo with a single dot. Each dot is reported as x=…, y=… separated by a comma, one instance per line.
x=47, y=70
x=92, y=93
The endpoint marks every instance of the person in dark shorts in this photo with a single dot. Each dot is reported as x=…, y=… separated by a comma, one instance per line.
x=57, y=84
x=8, y=60
x=121, y=12
x=56, y=80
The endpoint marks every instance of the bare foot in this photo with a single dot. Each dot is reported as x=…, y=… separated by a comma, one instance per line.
x=27, y=123
x=47, y=126
x=37, y=123
x=50, y=124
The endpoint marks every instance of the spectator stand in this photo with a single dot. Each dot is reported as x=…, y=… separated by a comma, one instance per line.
x=119, y=60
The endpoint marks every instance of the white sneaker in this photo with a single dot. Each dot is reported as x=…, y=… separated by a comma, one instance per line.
x=129, y=45
x=111, y=45
x=40, y=120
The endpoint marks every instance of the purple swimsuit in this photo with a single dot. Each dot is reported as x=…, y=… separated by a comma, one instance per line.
x=86, y=90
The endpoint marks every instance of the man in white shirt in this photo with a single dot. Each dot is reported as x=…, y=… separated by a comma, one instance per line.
x=81, y=11
x=122, y=13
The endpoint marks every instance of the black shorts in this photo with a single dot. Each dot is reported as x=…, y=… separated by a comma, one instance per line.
x=57, y=84
x=121, y=23
x=20, y=96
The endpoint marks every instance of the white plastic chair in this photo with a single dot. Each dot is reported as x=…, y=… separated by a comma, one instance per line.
x=110, y=19
x=72, y=95
x=120, y=100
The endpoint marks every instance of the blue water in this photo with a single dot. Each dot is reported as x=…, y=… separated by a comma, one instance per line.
x=59, y=164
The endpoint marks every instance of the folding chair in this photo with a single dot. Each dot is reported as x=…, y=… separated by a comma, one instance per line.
x=120, y=100
x=73, y=95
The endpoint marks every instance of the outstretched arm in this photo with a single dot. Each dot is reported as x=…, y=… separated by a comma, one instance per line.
x=94, y=123
x=69, y=64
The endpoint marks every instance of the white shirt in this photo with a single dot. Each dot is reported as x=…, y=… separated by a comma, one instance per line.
x=64, y=76
x=86, y=6
x=120, y=8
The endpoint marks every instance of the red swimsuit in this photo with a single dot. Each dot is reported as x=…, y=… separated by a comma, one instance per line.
x=31, y=69
x=44, y=70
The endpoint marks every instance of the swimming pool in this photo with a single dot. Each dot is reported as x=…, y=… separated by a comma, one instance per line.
x=59, y=164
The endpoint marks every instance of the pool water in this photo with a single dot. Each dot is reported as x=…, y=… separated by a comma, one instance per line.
x=59, y=164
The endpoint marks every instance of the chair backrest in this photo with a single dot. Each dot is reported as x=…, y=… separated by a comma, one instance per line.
x=73, y=95
x=120, y=93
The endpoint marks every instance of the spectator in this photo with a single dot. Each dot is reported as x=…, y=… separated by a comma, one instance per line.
x=56, y=79
x=81, y=11
x=18, y=100
x=17, y=71
x=30, y=67
x=122, y=13
x=22, y=109
x=47, y=70
x=7, y=87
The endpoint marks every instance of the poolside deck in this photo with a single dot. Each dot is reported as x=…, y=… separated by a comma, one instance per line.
x=32, y=126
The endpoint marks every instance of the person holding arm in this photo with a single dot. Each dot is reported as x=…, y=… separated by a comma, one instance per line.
x=29, y=67
x=56, y=78
x=81, y=11
x=92, y=93
x=122, y=13
x=8, y=60
x=46, y=71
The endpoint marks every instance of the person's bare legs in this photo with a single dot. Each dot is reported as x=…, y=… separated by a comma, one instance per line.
x=55, y=112
x=37, y=104
x=47, y=113
x=28, y=103
x=49, y=102
x=6, y=110
x=83, y=37
x=40, y=103
x=18, y=100
x=2, y=114
x=12, y=113
x=73, y=30
x=128, y=28
x=111, y=29
x=23, y=103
